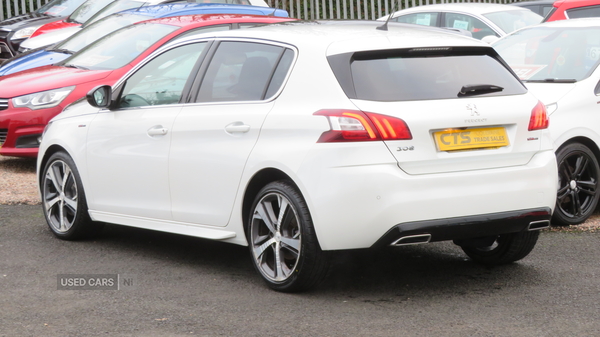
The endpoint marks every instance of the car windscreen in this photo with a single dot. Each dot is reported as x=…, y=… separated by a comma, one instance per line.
x=112, y=8
x=406, y=75
x=59, y=7
x=119, y=48
x=552, y=54
x=509, y=21
x=85, y=11
x=98, y=30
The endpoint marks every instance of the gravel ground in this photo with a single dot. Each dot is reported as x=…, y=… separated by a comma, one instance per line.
x=17, y=181
x=18, y=186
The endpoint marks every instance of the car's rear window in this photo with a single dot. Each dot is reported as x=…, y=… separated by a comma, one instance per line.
x=407, y=76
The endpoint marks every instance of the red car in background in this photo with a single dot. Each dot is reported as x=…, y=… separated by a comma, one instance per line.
x=30, y=98
x=573, y=9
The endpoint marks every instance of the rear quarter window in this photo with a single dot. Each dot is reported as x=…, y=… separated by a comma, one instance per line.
x=405, y=75
x=584, y=12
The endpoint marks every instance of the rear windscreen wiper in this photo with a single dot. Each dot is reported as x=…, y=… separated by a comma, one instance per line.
x=478, y=89
x=553, y=80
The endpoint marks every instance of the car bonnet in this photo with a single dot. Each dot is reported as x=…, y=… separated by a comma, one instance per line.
x=46, y=78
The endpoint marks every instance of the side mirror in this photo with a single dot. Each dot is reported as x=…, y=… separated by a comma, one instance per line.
x=459, y=31
x=100, y=97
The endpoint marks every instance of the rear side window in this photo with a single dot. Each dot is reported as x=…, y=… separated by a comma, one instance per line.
x=244, y=71
x=478, y=29
x=584, y=12
x=407, y=76
x=424, y=19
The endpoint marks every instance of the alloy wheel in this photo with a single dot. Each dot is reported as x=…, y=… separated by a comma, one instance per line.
x=275, y=237
x=577, y=192
x=60, y=196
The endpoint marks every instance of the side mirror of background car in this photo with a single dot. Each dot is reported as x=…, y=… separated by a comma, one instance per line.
x=100, y=97
x=490, y=39
x=459, y=31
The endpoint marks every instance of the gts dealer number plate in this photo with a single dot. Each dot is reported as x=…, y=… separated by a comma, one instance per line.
x=454, y=139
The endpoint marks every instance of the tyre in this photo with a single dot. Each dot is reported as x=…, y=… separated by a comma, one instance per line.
x=282, y=240
x=505, y=248
x=63, y=200
x=577, y=195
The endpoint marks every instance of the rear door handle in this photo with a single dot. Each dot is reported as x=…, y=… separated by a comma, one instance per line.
x=237, y=127
x=157, y=131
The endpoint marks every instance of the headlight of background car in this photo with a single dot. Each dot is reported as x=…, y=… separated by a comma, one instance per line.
x=41, y=100
x=24, y=33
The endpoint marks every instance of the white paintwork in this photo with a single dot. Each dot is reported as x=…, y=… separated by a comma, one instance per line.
x=462, y=7
x=130, y=167
x=476, y=10
x=355, y=192
x=209, y=139
x=574, y=108
x=49, y=38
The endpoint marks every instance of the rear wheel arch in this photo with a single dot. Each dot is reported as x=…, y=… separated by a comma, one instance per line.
x=589, y=143
x=258, y=181
x=280, y=232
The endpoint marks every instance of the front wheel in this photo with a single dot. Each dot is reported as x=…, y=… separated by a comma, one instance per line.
x=502, y=249
x=577, y=195
x=282, y=240
x=63, y=200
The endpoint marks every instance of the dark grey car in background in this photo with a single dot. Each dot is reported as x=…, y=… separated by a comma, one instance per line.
x=14, y=30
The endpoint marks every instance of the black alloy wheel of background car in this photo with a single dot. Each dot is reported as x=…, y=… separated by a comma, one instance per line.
x=578, y=195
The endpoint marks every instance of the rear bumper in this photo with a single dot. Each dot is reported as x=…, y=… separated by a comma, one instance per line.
x=356, y=206
x=468, y=227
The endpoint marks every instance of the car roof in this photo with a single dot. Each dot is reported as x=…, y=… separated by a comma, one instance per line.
x=213, y=19
x=576, y=3
x=470, y=7
x=342, y=36
x=160, y=10
x=533, y=2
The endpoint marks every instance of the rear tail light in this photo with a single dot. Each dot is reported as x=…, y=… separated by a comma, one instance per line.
x=539, y=117
x=359, y=126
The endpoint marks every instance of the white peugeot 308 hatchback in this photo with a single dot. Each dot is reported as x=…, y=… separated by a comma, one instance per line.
x=305, y=138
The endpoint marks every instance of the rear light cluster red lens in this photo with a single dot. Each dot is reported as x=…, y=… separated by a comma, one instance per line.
x=360, y=126
x=539, y=117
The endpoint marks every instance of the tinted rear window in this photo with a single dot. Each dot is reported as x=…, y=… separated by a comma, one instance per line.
x=404, y=76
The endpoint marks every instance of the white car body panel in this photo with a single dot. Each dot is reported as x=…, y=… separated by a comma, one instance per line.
x=49, y=38
x=426, y=117
x=476, y=10
x=550, y=93
x=130, y=166
x=575, y=102
x=211, y=141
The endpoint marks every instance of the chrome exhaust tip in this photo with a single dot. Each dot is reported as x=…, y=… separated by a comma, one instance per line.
x=537, y=225
x=412, y=240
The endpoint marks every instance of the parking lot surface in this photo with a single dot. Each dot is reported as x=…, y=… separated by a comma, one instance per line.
x=172, y=285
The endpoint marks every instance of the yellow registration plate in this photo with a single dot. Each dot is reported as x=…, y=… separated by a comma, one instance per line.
x=453, y=139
